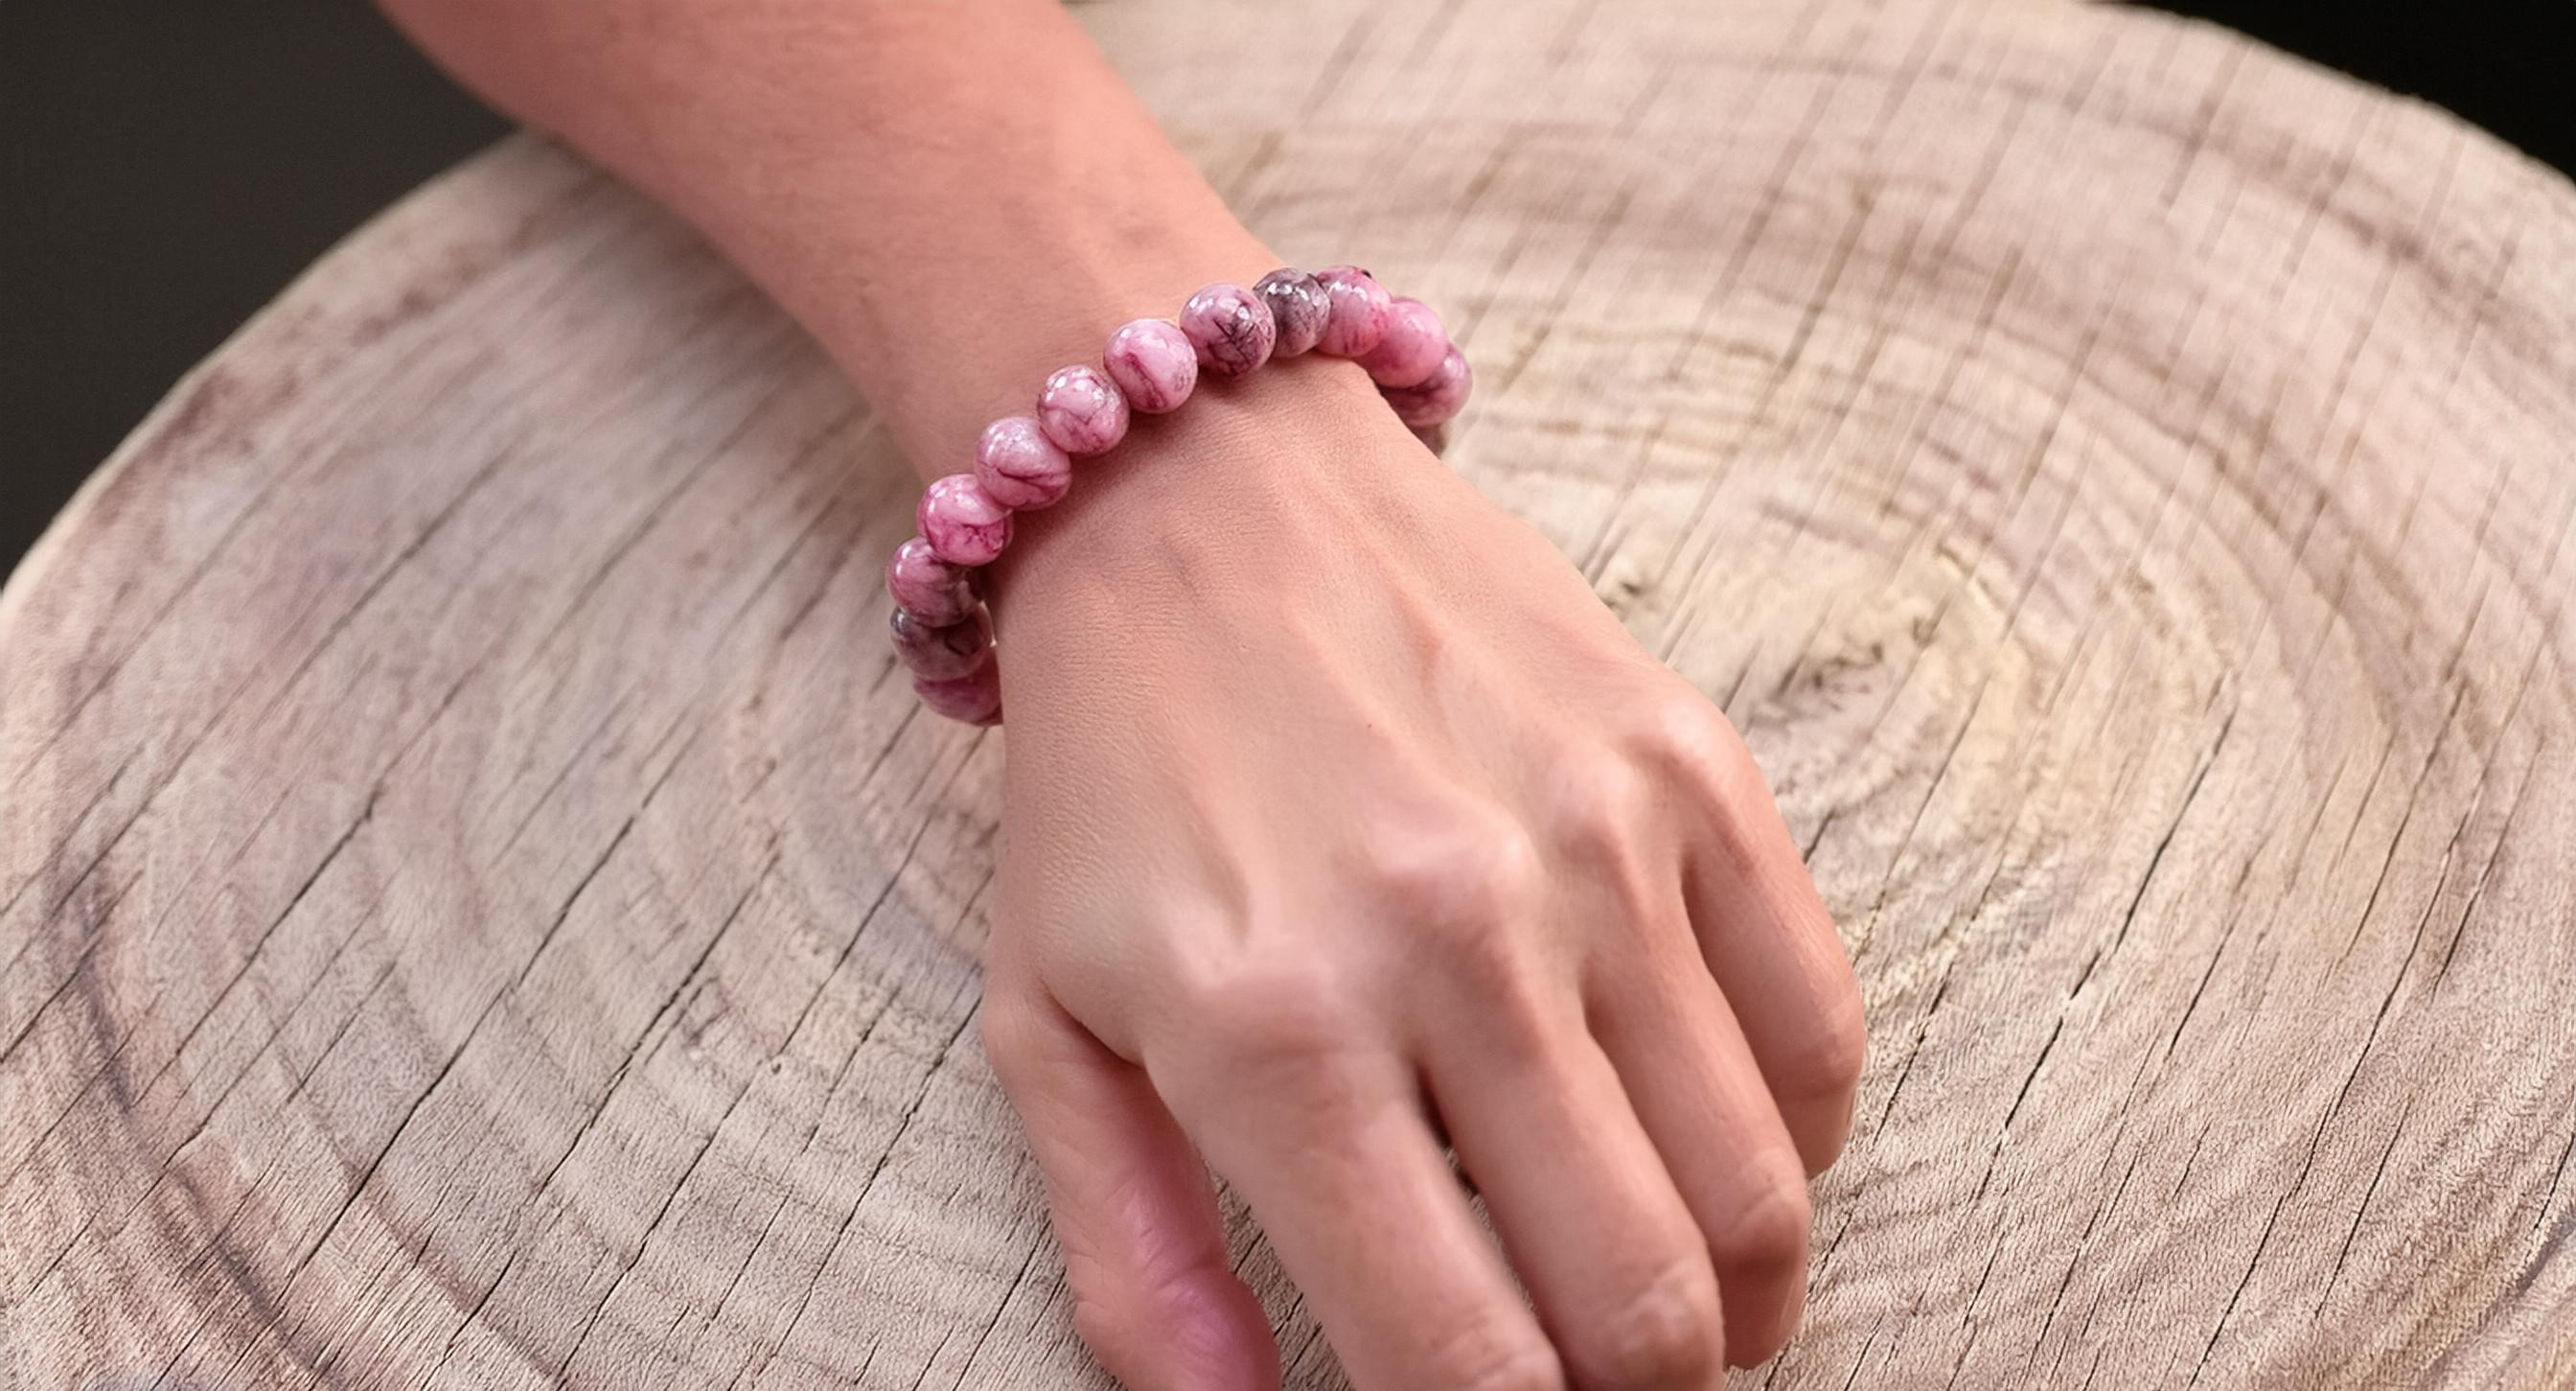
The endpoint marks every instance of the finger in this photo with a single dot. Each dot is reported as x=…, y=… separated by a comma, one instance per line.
x=1771, y=946
x=1340, y=1167
x=1612, y=1255
x=1133, y=1207
x=1669, y=1032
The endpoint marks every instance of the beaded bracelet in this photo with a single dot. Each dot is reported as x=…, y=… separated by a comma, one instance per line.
x=1024, y=462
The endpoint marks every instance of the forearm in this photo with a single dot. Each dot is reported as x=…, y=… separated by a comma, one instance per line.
x=954, y=198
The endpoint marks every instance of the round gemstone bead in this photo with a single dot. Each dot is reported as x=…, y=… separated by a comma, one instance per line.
x=1152, y=364
x=1410, y=350
x=943, y=652
x=964, y=524
x=1080, y=409
x=1298, y=309
x=975, y=698
x=1020, y=466
x=934, y=590
x=1437, y=398
x=1359, y=312
x=1230, y=327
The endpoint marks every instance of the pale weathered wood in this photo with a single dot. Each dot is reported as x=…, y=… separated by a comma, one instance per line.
x=477, y=913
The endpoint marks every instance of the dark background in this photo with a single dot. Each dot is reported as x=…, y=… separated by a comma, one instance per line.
x=171, y=164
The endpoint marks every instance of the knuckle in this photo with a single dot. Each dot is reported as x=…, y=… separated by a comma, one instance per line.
x=1460, y=878
x=1682, y=731
x=1692, y=742
x=1104, y=1328
x=1463, y=901
x=1670, y=1334
x=1268, y=1012
x=1769, y=1231
x=1597, y=807
x=1830, y=1064
x=1489, y=1359
x=1010, y=1033
x=1122, y=1316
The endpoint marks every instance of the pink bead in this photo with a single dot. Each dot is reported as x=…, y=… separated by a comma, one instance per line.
x=1020, y=466
x=1360, y=309
x=1082, y=411
x=975, y=698
x=1153, y=365
x=1437, y=399
x=934, y=590
x=964, y=524
x=946, y=651
x=1410, y=350
x=1299, y=308
x=1230, y=327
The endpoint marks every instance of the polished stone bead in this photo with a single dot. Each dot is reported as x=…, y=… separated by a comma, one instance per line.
x=1436, y=399
x=964, y=524
x=1230, y=327
x=1020, y=466
x=943, y=651
x=1081, y=410
x=1360, y=308
x=1153, y=365
x=1299, y=309
x=1411, y=348
x=935, y=591
x=975, y=698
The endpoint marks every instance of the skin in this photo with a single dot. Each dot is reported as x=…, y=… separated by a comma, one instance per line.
x=1323, y=850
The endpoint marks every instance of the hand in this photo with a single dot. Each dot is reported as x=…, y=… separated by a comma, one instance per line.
x=1342, y=819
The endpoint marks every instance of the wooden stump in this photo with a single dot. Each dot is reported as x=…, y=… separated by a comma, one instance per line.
x=478, y=913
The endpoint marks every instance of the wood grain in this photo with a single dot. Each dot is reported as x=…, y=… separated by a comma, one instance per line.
x=475, y=910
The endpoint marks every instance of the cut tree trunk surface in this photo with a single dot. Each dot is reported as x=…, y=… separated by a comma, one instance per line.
x=477, y=910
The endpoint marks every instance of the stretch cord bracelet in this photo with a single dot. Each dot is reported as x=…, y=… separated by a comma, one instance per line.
x=1025, y=462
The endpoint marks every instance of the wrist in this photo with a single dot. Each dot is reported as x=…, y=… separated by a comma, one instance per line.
x=1291, y=476
x=937, y=367
x=1277, y=480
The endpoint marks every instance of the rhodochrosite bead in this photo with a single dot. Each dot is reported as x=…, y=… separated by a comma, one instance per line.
x=1020, y=466
x=1152, y=364
x=1411, y=348
x=975, y=698
x=1358, y=317
x=1081, y=411
x=1298, y=310
x=936, y=591
x=943, y=651
x=1436, y=399
x=1230, y=327
x=964, y=524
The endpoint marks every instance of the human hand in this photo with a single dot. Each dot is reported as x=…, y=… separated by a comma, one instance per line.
x=1342, y=819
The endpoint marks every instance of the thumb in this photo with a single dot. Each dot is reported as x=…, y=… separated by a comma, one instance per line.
x=1153, y=1294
